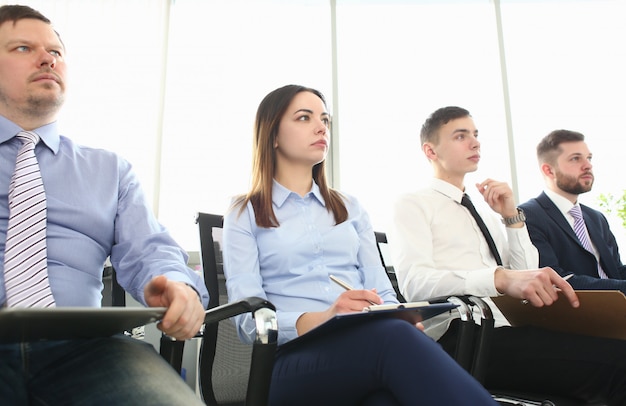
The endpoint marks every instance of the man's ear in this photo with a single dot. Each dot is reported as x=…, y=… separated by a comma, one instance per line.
x=429, y=151
x=547, y=170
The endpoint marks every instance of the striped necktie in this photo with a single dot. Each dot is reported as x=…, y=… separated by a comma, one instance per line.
x=25, y=255
x=581, y=232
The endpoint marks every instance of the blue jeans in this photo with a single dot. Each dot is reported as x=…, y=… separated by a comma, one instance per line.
x=114, y=370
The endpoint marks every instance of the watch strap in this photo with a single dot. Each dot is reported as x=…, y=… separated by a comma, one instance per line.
x=519, y=218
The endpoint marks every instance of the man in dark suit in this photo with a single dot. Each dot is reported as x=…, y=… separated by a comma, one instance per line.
x=565, y=162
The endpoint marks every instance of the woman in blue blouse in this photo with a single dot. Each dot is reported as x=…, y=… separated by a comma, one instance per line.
x=282, y=241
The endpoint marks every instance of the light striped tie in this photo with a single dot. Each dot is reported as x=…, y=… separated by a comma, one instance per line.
x=25, y=255
x=581, y=232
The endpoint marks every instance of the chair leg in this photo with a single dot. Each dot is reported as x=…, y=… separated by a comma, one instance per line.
x=172, y=351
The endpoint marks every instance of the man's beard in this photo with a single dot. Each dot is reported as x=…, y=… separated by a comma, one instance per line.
x=36, y=106
x=571, y=184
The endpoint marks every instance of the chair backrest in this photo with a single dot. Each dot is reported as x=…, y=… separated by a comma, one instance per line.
x=113, y=293
x=224, y=371
x=210, y=227
x=382, y=245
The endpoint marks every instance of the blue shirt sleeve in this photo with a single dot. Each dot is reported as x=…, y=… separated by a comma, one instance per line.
x=143, y=248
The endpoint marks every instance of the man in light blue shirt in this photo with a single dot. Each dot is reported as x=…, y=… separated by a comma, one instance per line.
x=95, y=209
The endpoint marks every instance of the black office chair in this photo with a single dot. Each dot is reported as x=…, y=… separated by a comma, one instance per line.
x=229, y=372
x=474, y=341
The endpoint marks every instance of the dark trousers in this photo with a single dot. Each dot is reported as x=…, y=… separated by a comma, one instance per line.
x=381, y=362
x=535, y=360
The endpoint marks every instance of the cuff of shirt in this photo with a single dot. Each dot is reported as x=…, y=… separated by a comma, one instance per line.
x=287, y=322
x=481, y=282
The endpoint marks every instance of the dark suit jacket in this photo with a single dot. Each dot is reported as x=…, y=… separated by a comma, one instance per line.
x=560, y=249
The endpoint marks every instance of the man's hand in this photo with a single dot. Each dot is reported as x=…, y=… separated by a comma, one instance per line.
x=538, y=286
x=184, y=315
x=498, y=196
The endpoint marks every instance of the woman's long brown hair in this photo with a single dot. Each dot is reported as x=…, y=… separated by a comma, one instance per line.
x=268, y=117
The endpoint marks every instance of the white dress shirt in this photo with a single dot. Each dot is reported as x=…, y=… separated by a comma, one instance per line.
x=438, y=250
x=563, y=204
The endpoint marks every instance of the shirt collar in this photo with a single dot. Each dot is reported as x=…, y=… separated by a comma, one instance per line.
x=48, y=133
x=447, y=189
x=563, y=204
x=281, y=193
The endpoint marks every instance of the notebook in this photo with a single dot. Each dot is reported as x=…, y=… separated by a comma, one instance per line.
x=602, y=313
x=29, y=324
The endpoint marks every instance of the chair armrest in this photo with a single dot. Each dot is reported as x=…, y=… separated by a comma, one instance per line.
x=172, y=349
x=464, y=352
x=228, y=310
x=483, y=340
x=484, y=308
x=465, y=340
x=264, y=314
x=472, y=349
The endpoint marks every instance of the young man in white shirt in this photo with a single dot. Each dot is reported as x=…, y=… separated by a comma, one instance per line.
x=438, y=250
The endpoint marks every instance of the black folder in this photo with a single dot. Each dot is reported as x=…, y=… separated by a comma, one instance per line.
x=411, y=312
x=30, y=324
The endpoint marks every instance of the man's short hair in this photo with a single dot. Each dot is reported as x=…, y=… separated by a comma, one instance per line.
x=432, y=125
x=14, y=13
x=549, y=148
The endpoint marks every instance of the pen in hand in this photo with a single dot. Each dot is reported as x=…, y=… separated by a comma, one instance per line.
x=345, y=285
x=566, y=277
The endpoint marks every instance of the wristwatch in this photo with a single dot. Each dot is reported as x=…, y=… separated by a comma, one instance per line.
x=520, y=218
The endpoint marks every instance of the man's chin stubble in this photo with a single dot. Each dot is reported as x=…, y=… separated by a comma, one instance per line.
x=37, y=106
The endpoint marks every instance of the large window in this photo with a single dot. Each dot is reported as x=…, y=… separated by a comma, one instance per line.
x=563, y=62
x=224, y=57
x=115, y=60
x=397, y=64
x=173, y=86
x=566, y=63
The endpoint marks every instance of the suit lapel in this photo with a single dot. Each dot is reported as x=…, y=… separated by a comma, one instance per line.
x=555, y=214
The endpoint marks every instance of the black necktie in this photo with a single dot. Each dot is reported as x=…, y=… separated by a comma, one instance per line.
x=465, y=201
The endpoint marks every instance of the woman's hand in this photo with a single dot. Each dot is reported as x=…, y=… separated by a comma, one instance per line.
x=350, y=301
